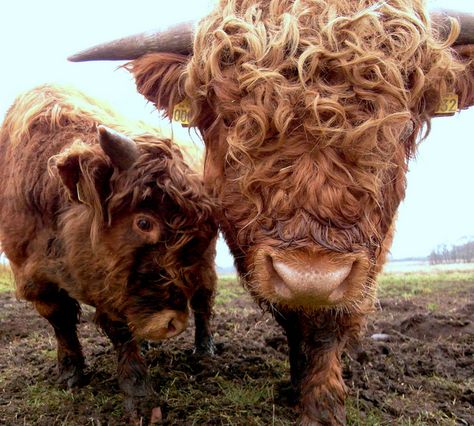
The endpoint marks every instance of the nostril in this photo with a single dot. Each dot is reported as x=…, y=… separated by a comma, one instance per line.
x=171, y=326
x=279, y=285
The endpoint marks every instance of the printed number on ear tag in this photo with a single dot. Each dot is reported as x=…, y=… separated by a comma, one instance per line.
x=182, y=113
x=448, y=105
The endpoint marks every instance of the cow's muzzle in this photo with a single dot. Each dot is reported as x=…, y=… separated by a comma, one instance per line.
x=314, y=280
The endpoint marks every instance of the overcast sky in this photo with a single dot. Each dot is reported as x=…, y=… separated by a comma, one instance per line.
x=37, y=36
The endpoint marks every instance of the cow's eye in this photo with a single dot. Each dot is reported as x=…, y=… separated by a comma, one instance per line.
x=144, y=224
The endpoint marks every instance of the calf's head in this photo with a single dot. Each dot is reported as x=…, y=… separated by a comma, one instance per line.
x=310, y=111
x=139, y=228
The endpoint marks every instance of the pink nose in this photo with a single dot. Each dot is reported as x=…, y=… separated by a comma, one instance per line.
x=314, y=281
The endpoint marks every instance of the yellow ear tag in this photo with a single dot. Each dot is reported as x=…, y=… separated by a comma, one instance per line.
x=448, y=105
x=80, y=196
x=182, y=113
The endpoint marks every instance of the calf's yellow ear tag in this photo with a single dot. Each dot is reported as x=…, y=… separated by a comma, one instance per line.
x=182, y=112
x=80, y=195
x=448, y=105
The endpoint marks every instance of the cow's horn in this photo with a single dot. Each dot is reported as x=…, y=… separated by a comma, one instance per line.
x=466, y=20
x=177, y=38
x=121, y=150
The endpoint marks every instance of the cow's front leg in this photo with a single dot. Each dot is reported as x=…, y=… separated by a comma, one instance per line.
x=132, y=371
x=316, y=342
x=290, y=323
x=323, y=391
x=63, y=313
x=201, y=304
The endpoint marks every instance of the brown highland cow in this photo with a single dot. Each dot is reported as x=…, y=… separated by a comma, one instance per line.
x=114, y=220
x=310, y=111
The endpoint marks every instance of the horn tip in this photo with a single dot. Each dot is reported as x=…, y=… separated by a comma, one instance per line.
x=74, y=58
x=80, y=57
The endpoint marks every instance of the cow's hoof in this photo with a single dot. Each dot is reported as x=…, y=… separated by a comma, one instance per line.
x=286, y=394
x=324, y=417
x=71, y=375
x=205, y=347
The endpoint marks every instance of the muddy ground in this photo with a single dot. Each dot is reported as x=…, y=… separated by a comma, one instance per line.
x=423, y=373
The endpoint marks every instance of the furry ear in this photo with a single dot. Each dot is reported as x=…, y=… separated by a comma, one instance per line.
x=85, y=173
x=158, y=78
x=465, y=85
x=69, y=172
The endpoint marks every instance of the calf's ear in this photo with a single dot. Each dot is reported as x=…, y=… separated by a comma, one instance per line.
x=84, y=172
x=158, y=79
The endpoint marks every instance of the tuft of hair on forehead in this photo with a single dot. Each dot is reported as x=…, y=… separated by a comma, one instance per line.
x=345, y=74
x=318, y=103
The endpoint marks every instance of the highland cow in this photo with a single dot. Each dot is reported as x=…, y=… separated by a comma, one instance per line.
x=112, y=218
x=310, y=111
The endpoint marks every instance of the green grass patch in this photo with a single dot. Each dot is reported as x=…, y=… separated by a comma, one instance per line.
x=450, y=385
x=50, y=397
x=49, y=353
x=6, y=279
x=358, y=417
x=223, y=401
x=409, y=284
x=228, y=289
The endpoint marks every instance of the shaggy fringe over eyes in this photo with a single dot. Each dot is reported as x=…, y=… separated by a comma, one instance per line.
x=360, y=77
x=63, y=119
x=161, y=170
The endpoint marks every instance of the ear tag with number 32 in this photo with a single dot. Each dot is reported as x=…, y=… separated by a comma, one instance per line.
x=448, y=105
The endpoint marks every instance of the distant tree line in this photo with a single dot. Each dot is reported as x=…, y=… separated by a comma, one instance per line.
x=462, y=253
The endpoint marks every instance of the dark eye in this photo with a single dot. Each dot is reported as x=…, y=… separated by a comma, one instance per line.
x=144, y=224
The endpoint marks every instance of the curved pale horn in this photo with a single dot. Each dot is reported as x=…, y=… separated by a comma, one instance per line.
x=465, y=19
x=121, y=150
x=177, y=38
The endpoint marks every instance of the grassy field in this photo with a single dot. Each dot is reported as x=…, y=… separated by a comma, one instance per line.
x=241, y=385
x=6, y=279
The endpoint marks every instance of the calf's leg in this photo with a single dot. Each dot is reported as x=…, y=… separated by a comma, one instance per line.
x=132, y=371
x=63, y=313
x=201, y=304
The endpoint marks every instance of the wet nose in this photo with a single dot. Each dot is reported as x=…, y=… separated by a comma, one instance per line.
x=314, y=280
x=177, y=322
x=163, y=325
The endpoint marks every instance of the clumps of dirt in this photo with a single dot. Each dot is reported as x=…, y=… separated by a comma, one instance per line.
x=419, y=373
x=423, y=370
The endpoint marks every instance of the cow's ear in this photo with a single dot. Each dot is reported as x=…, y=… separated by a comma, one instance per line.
x=84, y=172
x=465, y=84
x=158, y=77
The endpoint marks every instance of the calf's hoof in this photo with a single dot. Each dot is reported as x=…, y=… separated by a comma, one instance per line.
x=205, y=347
x=141, y=411
x=71, y=374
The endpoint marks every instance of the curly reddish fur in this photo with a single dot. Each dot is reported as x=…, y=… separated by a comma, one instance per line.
x=70, y=226
x=310, y=111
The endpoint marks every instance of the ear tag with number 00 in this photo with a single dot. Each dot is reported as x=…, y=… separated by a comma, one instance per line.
x=182, y=113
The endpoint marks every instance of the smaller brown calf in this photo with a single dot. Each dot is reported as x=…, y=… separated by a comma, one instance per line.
x=111, y=218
